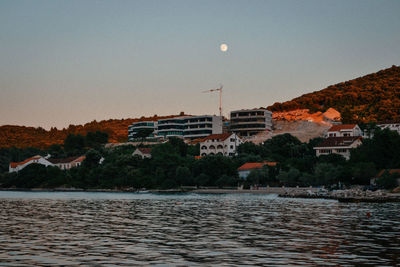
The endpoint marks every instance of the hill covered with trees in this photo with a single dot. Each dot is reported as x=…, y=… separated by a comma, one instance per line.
x=371, y=98
x=22, y=136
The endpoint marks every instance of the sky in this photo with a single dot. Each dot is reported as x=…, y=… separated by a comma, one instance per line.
x=71, y=62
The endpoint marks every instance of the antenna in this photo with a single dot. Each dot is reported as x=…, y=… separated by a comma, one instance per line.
x=220, y=96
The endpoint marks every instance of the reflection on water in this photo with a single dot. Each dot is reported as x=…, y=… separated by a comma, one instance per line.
x=44, y=229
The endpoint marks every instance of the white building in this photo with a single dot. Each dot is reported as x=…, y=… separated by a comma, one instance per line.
x=63, y=164
x=393, y=126
x=220, y=144
x=338, y=145
x=249, y=122
x=343, y=130
x=17, y=166
x=189, y=127
x=202, y=126
x=67, y=163
x=143, y=152
x=173, y=127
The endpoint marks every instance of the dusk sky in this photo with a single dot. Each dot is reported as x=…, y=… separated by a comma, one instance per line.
x=70, y=62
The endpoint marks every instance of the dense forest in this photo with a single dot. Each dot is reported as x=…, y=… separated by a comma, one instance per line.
x=173, y=164
x=23, y=137
x=371, y=98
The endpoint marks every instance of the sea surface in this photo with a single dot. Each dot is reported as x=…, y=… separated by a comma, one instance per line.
x=131, y=229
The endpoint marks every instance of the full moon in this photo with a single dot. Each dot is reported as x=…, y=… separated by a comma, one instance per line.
x=224, y=47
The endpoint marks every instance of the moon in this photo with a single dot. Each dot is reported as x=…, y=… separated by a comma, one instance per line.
x=223, y=47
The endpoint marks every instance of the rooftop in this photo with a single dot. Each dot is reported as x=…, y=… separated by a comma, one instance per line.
x=339, y=127
x=338, y=141
x=15, y=164
x=255, y=165
x=221, y=137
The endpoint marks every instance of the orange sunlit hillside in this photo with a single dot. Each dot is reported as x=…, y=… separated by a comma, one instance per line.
x=374, y=97
x=21, y=136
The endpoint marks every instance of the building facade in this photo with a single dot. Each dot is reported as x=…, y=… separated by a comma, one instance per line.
x=137, y=127
x=344, y=130
x=249, y=122
x=338, y=145
x=173, y=127
x=63, y=164
x=220, y=144
x=202, y=126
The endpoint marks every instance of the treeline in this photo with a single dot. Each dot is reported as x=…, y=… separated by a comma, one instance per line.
x=24, y=137
x=374, y=97
x=173, y=165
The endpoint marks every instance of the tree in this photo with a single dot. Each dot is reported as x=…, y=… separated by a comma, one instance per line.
x=74, y=144
x=92, y=159
x=183, y=176
x=387, y=180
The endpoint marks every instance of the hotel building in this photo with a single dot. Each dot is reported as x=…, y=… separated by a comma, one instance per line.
x=134, y=128
x=249, y=122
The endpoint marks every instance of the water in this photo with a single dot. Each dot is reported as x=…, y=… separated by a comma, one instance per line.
x=126, y=229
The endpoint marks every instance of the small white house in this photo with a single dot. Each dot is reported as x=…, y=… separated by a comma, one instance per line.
x=220, y=144
x=17, y=166
x=143, y=152
x=338, y=145
x=67, y=163
x=344, y=130
x=248, y=167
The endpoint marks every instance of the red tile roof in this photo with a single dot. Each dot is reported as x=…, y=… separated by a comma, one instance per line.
x=255, y=165
x=15, y=164
x=338, y=141
x=63, y=160
x=339, y=127
x=221, y=137
x=145, y=150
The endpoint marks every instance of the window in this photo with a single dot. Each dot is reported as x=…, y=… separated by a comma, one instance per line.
x=231, y=146
x=203, y=147
x=212, y=147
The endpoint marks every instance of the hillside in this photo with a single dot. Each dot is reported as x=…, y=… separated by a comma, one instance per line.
x=21, y=136
x=374, y=97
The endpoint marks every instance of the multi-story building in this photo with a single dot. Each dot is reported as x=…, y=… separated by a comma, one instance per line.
x=137, y=127
x=249, y=122
x=220, y=144
x=343, y=130
x=338, y=145
x=173, y=127
x=202, y=126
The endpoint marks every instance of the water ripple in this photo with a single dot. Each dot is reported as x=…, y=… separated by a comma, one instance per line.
x=195, y=230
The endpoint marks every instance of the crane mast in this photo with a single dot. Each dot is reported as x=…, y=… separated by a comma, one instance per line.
x=220, y=97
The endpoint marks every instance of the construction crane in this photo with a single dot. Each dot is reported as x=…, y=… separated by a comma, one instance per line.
x=220, y=97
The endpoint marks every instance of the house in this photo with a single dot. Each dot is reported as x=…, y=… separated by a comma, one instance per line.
x=344, y=130
x=63, y=164
x=67, y=163
x=17, y=166
x=220, y=144
x=338, y=145
x=143, y=152
x=248, y=167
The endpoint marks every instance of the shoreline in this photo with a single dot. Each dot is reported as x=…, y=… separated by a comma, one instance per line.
x=287, y=192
